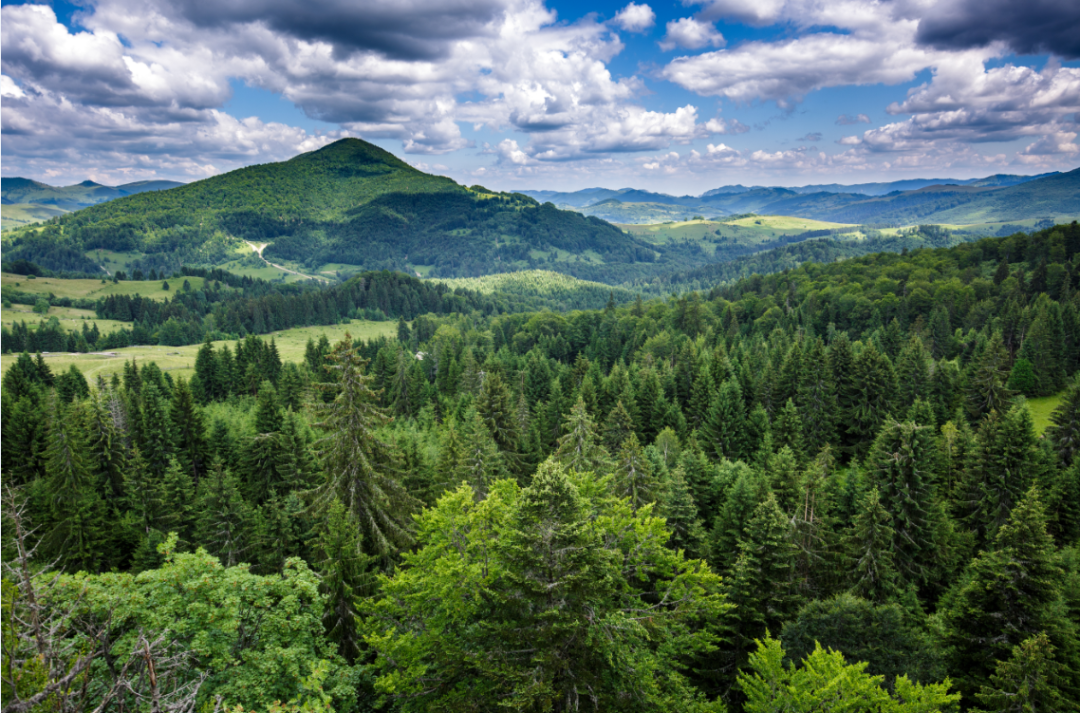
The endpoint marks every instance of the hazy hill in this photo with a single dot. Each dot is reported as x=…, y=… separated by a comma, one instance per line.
x=997, y=198
x=349, y=203
x=25, y=200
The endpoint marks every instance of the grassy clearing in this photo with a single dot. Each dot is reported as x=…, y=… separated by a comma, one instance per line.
x=1041, y=409
x=70, y=318
x=16, y=215
x=94, y=289
x=180, y=361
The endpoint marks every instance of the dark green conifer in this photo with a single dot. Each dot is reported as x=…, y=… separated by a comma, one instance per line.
x=634, y=477
x=869, y=545
x=724, y=430
x=579, y=448
x=346, y=577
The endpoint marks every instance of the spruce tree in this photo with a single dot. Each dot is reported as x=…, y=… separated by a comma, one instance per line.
x=987, y=390
x=188, y=432
x=1064, y=430
x=869, y=547
x=1004, y=463
x=345, y=579
x=617, y=427
x=762, y=579
x=874, y=388
x=901, y=466
x=360, y=467
x=1007, y=595
x=912, y=373
x=263, y=459
x=634, y=477
x=787, y=430
x=495, y=404
x=678, y=508
x=816, y=399
x=223, y=518
x=481, y=463
x=578, y=448
x=1030, y=680
x=724, y=430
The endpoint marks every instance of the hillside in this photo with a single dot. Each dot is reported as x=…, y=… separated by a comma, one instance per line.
x=349, y=205
x=26, y=201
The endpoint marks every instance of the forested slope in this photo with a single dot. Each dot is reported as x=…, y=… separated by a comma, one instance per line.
x=349, y=202
x=645, y=507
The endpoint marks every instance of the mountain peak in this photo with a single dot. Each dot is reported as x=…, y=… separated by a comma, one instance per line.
x=354, y=153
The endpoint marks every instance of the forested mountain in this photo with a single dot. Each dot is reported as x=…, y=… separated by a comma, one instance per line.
x=347, y=203
x=821, y=489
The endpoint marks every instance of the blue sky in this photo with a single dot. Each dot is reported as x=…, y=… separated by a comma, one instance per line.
x=679, y=97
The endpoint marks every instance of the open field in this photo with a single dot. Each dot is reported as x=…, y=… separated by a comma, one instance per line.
x=70, y=318
x=94, y=289
x=1041, y=410
x=180, y=361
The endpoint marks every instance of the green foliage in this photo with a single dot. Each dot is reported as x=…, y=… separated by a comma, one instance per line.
x=825, y=681
x=546, y=610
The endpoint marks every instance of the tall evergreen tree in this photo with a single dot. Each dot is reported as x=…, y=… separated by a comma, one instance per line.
x=901, y=466
x=874, y=384
x=346, y=578
x=987, y=389
x=578, y=448
x=724, y=430
x=1007, y=595
x=360, y=466
x=869, y=545
x=816, y=398
x=188, y=432
x=634, y=477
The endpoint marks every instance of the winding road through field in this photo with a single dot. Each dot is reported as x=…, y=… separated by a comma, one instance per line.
x=259, y=251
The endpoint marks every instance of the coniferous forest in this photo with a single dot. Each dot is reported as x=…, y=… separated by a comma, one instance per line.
x=817, y=490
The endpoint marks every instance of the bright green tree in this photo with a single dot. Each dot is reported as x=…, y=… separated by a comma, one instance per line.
x=547, y=604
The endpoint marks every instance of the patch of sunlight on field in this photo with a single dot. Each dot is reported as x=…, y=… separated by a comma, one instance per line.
x=1041, y=409
x=94, y=289
x=180, y=361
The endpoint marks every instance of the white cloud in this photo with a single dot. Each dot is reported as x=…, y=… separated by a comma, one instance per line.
x=635, y=18
x=723, y=126
x=846, y=120
x=691, y=34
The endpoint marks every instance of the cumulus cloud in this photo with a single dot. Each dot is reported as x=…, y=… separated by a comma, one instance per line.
x=1033, y=27
x=172, y=63
x=690, y=33
x=846, y=120
x=723, y=126
x=635, y=18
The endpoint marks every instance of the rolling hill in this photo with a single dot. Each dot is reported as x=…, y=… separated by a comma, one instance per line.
x=26, y=201
x=994, y=199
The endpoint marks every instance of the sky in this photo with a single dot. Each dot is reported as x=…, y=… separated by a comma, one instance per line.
x=679, y=96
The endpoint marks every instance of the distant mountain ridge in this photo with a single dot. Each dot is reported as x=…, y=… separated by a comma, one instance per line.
x=24, y=200
x=81, y=195
x=1001, y=197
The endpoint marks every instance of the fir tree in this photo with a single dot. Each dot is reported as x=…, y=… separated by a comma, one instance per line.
x=495, y=404
x=912, y=373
